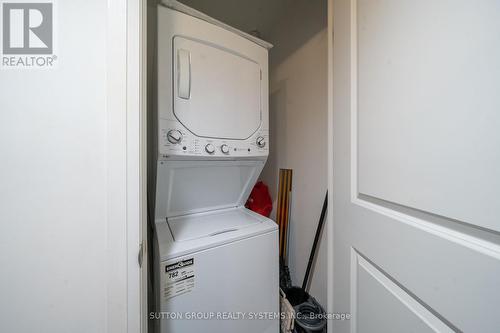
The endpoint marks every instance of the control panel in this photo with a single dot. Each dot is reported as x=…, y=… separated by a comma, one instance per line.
x=175, y=140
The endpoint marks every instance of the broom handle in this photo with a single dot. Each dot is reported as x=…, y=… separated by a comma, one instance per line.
x=315, y=243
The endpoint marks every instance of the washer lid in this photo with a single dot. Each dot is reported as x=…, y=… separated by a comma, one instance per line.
x=209, y=224
x=188, y=187
x=168, y=248
x=217, y=92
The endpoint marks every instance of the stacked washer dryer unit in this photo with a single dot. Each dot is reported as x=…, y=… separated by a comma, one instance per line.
x=216, y=263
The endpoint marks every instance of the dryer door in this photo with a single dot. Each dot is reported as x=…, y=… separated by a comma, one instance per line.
x=217, y=92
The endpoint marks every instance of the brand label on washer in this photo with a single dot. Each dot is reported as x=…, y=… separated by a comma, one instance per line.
x=179, y=278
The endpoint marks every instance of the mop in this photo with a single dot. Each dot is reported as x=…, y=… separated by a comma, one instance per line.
x=303, y=303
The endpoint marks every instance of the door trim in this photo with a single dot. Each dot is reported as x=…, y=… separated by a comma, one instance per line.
x=329, y=221
x=136, y=166
x=126, y=293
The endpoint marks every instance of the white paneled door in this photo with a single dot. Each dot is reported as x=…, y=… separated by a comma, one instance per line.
x=416, y=165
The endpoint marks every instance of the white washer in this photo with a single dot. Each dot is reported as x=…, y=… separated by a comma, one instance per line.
x=216, y=262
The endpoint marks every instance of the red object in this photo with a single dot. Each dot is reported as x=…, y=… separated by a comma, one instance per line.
x=260, y=200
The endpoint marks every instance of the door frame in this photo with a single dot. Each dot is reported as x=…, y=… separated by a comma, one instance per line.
x=330, y=222
x=137, y=165
x=126, y=292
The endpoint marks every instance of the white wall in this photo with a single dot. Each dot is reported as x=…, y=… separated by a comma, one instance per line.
x=298, y=120
x=63, y=181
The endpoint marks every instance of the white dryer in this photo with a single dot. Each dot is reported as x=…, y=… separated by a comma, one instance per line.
x=216, y=262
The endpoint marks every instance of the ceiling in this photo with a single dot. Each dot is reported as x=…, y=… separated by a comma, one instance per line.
x=245, y=15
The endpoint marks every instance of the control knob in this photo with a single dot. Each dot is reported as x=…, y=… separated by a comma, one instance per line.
x=261, y=142
x=174, y=136
x=209, y=148
x=224, y=149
